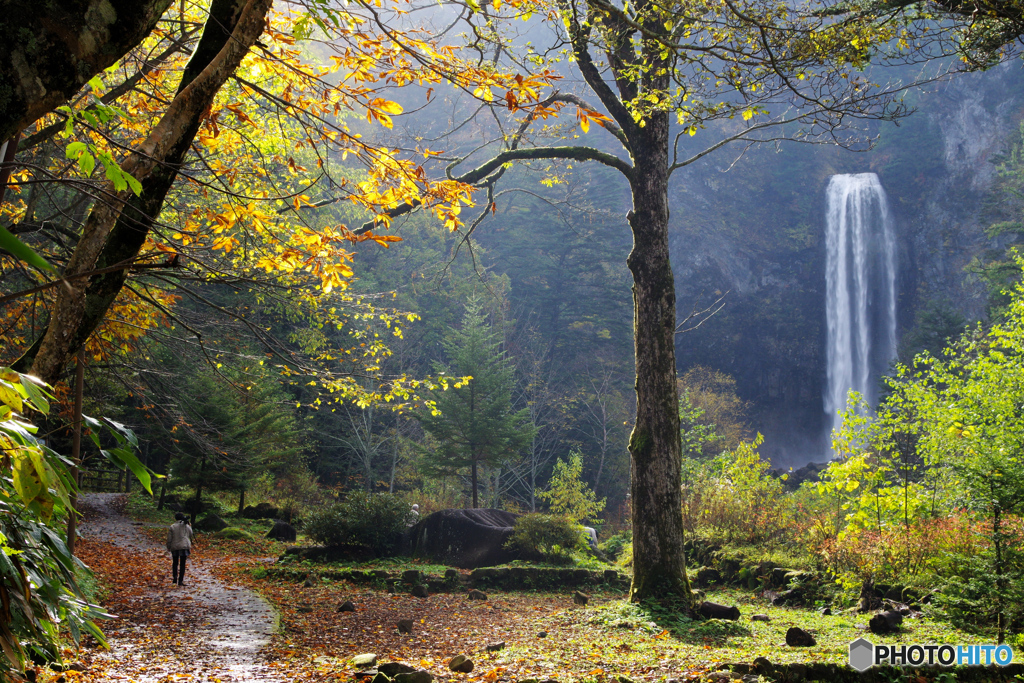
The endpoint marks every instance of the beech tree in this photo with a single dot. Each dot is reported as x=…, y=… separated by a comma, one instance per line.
x=43, y=64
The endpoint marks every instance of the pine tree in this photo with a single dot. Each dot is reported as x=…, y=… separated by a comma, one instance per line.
x=476, y=425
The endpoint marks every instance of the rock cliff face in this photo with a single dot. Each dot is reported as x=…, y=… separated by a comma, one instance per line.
x=756, y=231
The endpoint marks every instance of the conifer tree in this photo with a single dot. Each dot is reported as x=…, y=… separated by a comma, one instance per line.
x=476, y=424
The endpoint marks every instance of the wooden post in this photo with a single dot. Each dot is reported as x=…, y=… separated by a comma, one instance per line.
x=76, y=448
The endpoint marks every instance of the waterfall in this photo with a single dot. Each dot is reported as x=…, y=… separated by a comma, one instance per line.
x=860, y=272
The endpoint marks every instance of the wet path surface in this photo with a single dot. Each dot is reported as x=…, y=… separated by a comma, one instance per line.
x=205, y=630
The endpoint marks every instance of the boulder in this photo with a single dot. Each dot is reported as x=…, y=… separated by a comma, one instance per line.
x=797, y=637
x=885, y=622
x=282, y=531
x=347, y=606
x=777, y=578
x=580, y=598
x=760, y=617
x=364, y=661
x=793, y=596
x=461, y=664
x=466, y=538
x=309, y=582
x=764, y=667
x=706, y=576
x=404, y=626
x=825, y=611
x=413, y=576
x=495, y=647
x=420, y=591
x=392, y=669
x=452, y=576
x=211, y=523
x=418, y=676
x=477, y=595
x=712, y=610
x=261, y=511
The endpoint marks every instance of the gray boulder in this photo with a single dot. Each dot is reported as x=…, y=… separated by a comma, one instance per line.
x=706, y=576
x=885, y=622
x=282, y=531
x=364, y=661
x=418, y=676
x=461, y=664
x=797, y=637
x=211, y=523
x=392, y=669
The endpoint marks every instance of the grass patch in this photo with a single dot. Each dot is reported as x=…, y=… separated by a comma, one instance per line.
x=743, y=640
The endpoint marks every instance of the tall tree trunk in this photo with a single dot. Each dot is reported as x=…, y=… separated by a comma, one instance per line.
x=659, y=564
x=116, y=229
x=49, y=50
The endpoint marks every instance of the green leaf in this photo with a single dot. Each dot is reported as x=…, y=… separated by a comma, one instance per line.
x=115, y=175
x=87, y=163
x=75, y=149
x=133, y=183
x=122, y=457
x=20, y=250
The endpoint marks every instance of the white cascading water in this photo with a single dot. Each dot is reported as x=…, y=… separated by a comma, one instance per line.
x=860, y=272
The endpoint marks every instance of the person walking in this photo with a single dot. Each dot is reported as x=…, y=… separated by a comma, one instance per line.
x=179, y=542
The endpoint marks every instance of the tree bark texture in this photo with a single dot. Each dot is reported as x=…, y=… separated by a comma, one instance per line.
x=659, y=564
x=116, y=229
x=50, y=49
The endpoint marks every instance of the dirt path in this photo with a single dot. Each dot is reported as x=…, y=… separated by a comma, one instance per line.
x=205, y=630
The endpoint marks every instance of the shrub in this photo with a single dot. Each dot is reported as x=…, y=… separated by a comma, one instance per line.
x=546, y=537
x=732, y=497
x=375, y=520
x=613, y=546
x=568, y=494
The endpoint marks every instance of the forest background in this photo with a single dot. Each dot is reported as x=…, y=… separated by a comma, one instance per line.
x=250, y=310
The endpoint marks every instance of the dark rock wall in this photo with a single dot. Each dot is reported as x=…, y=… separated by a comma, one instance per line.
x=756, y=230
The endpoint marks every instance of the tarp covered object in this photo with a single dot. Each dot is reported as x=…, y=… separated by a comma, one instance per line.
x=466, y=538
